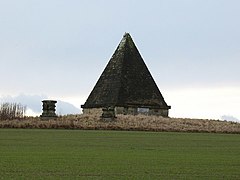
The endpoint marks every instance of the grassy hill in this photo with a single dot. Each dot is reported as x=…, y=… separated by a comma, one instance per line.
x=123, y=122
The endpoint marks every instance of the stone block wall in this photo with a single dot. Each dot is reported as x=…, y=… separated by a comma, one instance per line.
x=93, y=111
x=158, y=112
x=128, y=111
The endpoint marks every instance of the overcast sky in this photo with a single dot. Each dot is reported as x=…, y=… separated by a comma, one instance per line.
x=59, y=48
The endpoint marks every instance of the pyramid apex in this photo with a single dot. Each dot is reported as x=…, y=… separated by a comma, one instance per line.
x=126, y=34
x=126, y=37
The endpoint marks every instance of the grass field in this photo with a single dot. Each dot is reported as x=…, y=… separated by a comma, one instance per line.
x=73, y=154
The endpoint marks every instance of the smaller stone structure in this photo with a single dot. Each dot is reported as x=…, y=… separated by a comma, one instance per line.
x=49, y=109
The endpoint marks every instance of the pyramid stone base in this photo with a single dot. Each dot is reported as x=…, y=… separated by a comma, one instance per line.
x=128, y=111
x=93, y=111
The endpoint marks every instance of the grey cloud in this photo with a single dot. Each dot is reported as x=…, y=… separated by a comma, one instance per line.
x=229, y=118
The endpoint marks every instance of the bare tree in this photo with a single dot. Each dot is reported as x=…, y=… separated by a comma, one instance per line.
x=9, y=111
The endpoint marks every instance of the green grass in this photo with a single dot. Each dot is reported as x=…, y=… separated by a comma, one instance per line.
x=78, y=154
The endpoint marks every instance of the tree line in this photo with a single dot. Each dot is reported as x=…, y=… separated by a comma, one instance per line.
x=10, y=111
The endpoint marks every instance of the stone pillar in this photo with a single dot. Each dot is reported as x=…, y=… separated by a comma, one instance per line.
x=49, y=109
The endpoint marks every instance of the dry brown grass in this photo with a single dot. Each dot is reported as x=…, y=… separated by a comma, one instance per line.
x=126, y=122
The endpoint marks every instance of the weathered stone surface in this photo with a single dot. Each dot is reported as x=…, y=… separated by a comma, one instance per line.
x=49, y=109
x=93, y=111
x=108, y=113
x=126, y=82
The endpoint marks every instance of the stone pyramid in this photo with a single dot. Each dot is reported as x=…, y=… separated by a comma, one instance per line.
x=127, y=85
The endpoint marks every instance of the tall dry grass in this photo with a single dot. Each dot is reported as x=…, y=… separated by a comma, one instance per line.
x=126, y=122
